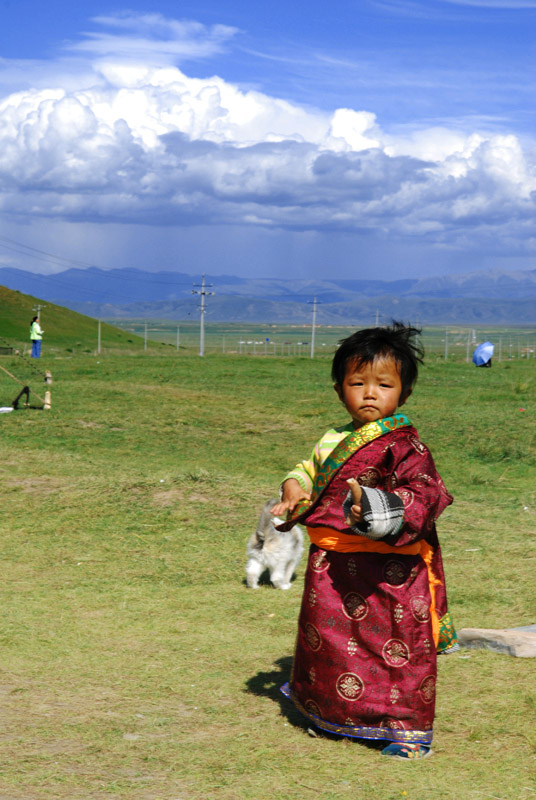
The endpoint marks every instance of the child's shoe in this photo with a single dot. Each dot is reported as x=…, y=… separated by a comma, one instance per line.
x=413, y=751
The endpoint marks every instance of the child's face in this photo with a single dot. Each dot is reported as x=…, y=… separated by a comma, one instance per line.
x=371, y=391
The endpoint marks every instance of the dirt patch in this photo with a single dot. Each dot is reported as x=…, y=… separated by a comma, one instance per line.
x=168, y=497
x=197, y=497
x=40, y=486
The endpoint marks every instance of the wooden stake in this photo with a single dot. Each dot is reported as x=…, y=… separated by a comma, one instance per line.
x=22, y=384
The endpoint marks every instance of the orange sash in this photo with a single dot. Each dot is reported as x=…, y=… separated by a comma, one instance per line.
x=330, y=539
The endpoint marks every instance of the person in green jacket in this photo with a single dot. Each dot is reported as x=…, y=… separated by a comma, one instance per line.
x=36, y=334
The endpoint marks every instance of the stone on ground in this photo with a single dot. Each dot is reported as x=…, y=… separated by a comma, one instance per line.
x=520, y=642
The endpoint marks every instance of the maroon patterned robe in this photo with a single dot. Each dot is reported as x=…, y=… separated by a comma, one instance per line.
x=365, y=659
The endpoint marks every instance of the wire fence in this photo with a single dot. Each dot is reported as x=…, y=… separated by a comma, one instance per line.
x=442, y=345
x=453, y=343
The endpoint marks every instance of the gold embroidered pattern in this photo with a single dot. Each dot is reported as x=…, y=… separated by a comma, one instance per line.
x=406, y=495
x=394, y=694
x=313, y=637
x=369, y=477
x=355, y=606
x=427, y=689
x=417, y=444
x=395, y=653
x=392, y=724
x=350, y=686
x=394, y=573
x=319, y=563
x=352, y=646
x=420, y=608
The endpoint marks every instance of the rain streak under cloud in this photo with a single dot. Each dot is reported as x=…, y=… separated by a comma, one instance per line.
x=115, y=133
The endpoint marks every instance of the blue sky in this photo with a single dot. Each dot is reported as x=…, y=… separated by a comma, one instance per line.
x=376, y=137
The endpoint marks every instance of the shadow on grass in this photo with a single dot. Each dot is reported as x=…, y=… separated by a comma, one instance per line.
x=268, y=684
x=264, y=580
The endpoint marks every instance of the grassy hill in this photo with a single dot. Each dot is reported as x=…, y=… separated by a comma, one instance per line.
x=64, y=330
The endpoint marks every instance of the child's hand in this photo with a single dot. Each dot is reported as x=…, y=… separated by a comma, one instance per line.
x=355, y=511
x=292, y=494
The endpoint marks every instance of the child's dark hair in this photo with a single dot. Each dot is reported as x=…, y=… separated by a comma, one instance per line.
x=397, y=341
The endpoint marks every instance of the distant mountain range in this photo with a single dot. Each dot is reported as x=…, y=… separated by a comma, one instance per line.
x=493, y=297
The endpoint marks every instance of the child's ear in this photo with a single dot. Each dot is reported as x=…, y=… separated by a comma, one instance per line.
x=404, y=397
x=338, y=389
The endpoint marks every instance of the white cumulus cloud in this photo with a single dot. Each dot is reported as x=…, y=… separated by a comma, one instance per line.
x=141, y=143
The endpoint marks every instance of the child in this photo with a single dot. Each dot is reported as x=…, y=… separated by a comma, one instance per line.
x=374, y=610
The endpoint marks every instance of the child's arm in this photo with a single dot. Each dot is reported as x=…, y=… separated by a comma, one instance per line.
x=373, y=513
x=354, y=515
x=298, y=483
x=405, y=514
x=291, y=493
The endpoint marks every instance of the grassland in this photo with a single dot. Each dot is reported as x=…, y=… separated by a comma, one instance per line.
x=135, y=663
x=452, y=343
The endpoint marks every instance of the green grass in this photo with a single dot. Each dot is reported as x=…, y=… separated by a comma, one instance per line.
x=135, y=663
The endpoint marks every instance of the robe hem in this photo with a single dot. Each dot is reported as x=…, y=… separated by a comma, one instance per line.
x=360, y=731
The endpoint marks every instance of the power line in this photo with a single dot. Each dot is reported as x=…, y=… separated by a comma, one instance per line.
x=32, y=252
x=107, y=270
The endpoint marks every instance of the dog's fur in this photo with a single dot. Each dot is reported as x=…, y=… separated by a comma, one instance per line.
x=278, y=552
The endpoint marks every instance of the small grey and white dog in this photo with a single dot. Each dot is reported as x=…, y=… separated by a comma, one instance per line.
x=279, y=552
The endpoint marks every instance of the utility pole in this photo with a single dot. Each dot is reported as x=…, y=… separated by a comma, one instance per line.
x=145, y=338
x=313, y=330
x=99, y=338
x=203, y=294
x=37, y=309
x=178, y=338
